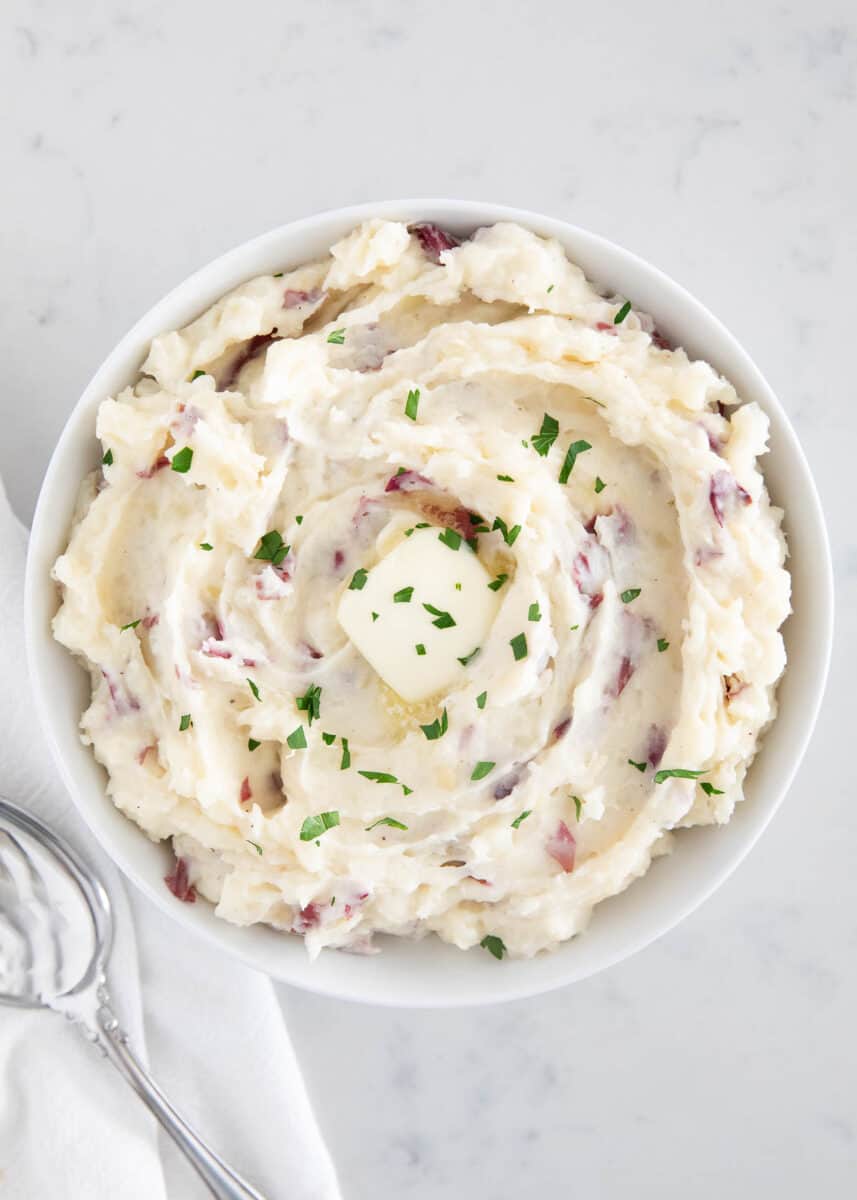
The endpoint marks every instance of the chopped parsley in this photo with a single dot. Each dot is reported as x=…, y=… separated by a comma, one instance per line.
x=451, y=538
x=205, y=546
x=551, y=288
x=255, y=846
x=196, y=375
x=709, y=788
x=297, y=739
x=663, y=644
x=130, y=625
x=314, y=827
x=482, y=769
x=443, y=620
x=358, y=580
x=277, y=275
x=328, y=738
x=374, y=617
x=534, y=612
x=505, y=479
x=422, y=525
x=403, y=596
x=272, y=548
x=437, y=728
x=497, y=583
x=516, y=824
x=252, y=744
x=254, y=689
x=299, y=519
x=641, y=766
x=420, y=649
x=630, y=594
x=571, y=458
x=578, y=806
x=458, y=587
x=345, y=761
x=573, y=627
x=519, y=646
x=622, y=313
x=337, y=337
x=107, y=461
x=600, y=485
x=185, y=722
x=391, y=821
x=468, y=658
x=378, y=776
x=408, y=532
x=547, y=435
x=310, y=702
x=677, y=773
x=182, y=460
x=509, y=535
x=494, y=945
x=480, y=699
x=412, y=404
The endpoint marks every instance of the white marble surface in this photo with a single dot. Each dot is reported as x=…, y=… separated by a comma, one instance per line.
x=717, y=140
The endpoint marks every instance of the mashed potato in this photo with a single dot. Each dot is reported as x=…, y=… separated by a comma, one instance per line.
x=601, y=488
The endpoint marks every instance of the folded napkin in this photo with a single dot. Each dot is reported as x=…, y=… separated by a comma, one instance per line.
x=212, y=1029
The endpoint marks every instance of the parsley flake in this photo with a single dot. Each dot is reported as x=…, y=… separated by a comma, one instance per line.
x=394, y=824
x=255, y=846
x=468, y=658
x=205, y=546
x=578, y=807
x=345, y=761
x=374, y=617
x=551, y=288
x=254, y=689
x=709, y=788
x=519, y=646
x=547, y=435
x=533, y=612
x=482, y=769
x=516, y=824
x=130, y=625
x=412, y=404
x=358, y=580
x=272, y=548
x=663, y=644
x=185, y=722
x=196, y=375
x=328, y=738
x=337, y=337
x=299, y=519
x=600, y=485
x=314, y=827
x=443, y=619
x=509, y=535
x=505, y=479
x=297, y=739
x=437, y=728
x=252, y=744
x=182, y=460
x=622, y=313
x=571, y=458
x=641, y=766
x=497, y=583
x=451, y=538
x=107, y=461
x=630, y=594
x=480, y=699
x=403, y=596
x=677, y=773
x=494, y=945
x=420, y=649
x=378, y=776
x=310, y=702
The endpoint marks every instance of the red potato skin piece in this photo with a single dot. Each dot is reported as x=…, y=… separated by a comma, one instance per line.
x=294, y=298
x=724, y=492
x=178, y=881
x=246, y=793
x=433, y=240
x=657, y=744
x=562, y=847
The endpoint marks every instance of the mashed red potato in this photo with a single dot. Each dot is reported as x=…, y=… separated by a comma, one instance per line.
x=424, y=589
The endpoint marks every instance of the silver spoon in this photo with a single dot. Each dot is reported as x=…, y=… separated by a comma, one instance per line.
x=56, y=930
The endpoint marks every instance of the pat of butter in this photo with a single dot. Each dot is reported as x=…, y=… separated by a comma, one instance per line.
x=389, y=633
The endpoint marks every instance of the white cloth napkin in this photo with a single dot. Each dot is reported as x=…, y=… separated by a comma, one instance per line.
x=69, y=1126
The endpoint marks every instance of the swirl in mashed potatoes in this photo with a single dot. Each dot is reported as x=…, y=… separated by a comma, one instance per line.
x=424, y=589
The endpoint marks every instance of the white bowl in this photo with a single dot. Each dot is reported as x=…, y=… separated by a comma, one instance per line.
x=428, y=973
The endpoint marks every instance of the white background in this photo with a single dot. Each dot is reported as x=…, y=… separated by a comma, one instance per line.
x=715, y=139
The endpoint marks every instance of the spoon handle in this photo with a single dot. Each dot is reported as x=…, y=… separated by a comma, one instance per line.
x=222, y=1182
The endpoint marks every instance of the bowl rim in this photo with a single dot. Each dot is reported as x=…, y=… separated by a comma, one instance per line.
x=462, y=213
